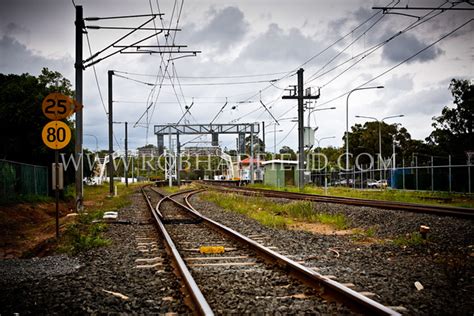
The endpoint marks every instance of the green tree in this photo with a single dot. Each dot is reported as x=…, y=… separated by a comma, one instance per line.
x=365, y=139
x=257, y=144
x=21, y=117
x=453, y=129
x=287, y=153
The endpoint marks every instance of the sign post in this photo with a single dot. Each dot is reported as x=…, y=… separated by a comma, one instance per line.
x=57, y=135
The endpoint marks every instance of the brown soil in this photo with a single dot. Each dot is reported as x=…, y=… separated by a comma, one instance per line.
x=26, y=229
x=322, y=229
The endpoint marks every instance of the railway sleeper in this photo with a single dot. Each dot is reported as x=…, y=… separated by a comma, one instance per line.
x=179, y=221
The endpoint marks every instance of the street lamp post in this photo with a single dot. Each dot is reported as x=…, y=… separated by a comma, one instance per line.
x=347, y=120
x=319, y=146
x=380, y=134
x=274, y=136
x=125, y=168
x=96, y=141
x=316, y=109
x=278, y=131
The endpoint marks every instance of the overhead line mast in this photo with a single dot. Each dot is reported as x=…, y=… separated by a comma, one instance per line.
x=80, y=65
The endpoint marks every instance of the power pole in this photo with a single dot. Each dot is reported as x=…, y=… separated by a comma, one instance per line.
x=263, y=137
x=110, y=168
x=298, y=94
x=252, y=181
x=178, y=160
x=126, y=154
x=78, y=145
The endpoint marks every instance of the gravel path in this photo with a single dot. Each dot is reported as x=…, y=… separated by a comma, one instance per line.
x=444, y=265
x=64, y=285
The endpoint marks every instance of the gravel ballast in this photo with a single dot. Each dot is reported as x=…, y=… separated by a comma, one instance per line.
x=107, y=281
x=443, y=265
x=92, y=282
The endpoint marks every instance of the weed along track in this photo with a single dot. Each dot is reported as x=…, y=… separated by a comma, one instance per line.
x=226, y=272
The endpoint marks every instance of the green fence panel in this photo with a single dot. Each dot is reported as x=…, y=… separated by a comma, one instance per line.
x=22, y=179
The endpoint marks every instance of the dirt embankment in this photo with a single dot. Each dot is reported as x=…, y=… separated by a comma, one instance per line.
x=25, y=228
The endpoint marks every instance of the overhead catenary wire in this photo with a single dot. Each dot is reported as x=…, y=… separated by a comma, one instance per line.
x=400, y=63
x=160, y=70
x=198, y=84
x=288, y=134
x=99, y=89
x=293, y=72
x=266, y=109
x=212, y=77
x=117, y=41
x=362, y=55
x=219, y=112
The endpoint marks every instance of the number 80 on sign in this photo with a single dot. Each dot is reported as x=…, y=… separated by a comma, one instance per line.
x=56, y=135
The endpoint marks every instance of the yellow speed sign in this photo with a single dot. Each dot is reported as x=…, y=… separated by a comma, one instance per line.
x=56, y=135
x=57, y=106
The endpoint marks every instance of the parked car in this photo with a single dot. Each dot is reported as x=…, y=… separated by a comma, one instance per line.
x=342, y=182
x=380, y=184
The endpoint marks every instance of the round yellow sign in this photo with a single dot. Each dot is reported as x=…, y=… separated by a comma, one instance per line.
x=56, y=135
x=57, y=106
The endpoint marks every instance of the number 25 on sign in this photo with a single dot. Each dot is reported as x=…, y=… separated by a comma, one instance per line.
x=57, y=106
x=56, y=134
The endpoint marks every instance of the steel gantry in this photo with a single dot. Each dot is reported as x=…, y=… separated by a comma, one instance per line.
x=203, y=129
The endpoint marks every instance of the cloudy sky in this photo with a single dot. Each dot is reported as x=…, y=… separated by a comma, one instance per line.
x=250, y=52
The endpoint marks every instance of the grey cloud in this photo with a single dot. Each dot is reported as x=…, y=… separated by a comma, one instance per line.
x=277, y=45
x=407, y=45
x=224, y=29
x=12, y=29
x=428, y=101
x=17, y=58
x=399, y=83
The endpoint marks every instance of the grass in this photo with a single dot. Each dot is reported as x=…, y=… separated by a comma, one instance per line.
x=96, y=197
x=86, y=232
x=361, y=234
x=175, y=189
x=337, y=220
x=420, y=197
x=25, y=198
x=413, y=239
x=271, y=214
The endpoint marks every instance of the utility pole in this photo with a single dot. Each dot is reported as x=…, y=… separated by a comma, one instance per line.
x=178, y=160
x=126, y=154
x=263, y=136
x=300, y=97
x=170, y=172
x=110, y=168
x=252, y=181
x=78, y=145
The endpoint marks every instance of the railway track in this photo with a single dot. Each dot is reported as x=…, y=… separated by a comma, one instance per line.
x=391, y=205
x=236, y=274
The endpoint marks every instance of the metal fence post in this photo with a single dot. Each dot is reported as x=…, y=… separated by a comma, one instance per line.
x=469, y=177
x=403, y=177
x=416, y=173
x=449, y=173
x=432, y=177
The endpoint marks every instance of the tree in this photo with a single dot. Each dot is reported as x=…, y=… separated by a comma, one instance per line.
x=287, y=153
x=257, y=147
x=453, y=129
x=21, y=117
x=365, y=139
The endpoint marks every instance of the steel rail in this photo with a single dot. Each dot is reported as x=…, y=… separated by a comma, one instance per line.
x=198, y=300
x=393, y=205
x=326, y=286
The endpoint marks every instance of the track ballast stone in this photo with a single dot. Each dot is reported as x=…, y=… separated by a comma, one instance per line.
x=444, y=265
x=62, y=285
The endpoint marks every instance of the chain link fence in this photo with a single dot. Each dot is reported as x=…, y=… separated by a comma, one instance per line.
x=423, y=173
x=20, y=179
